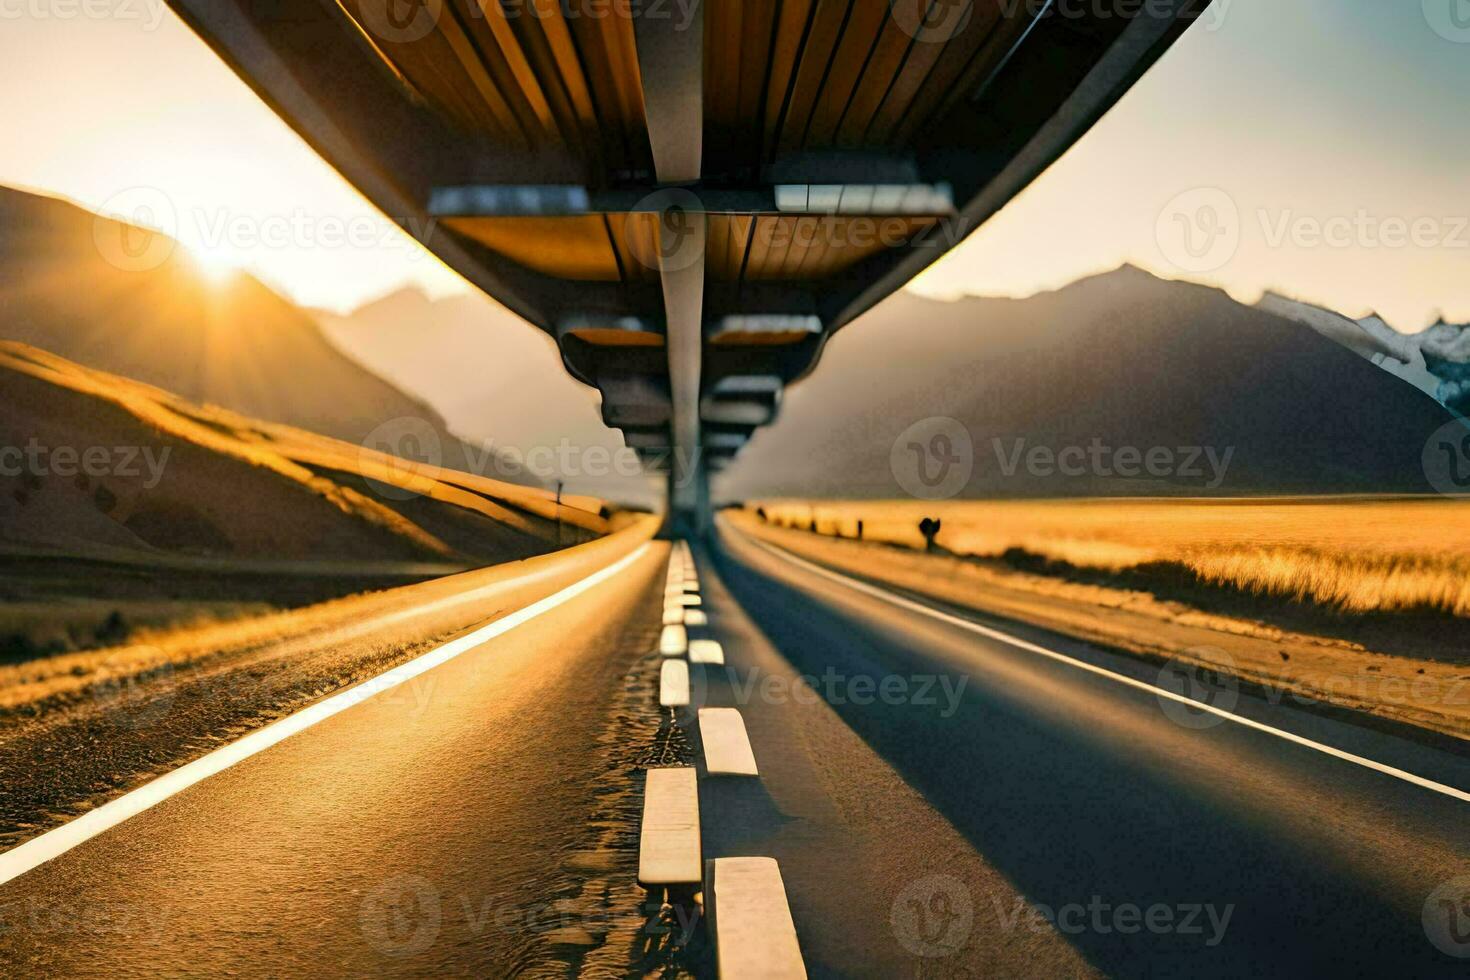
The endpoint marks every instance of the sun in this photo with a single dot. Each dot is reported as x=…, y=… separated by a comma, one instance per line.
x=218, y=267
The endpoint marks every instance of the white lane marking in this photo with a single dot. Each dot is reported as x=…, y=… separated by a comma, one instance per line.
x=706, y=652
x=38, y=850
x=673, y=684
x=753, y=931
x=674, y=641
x=668, y=838
x=726, y=744
x=994, y=634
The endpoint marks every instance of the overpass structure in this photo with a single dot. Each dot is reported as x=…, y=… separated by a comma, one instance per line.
x=690, y=196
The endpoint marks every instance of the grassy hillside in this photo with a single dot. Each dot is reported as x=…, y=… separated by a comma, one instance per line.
x=123, y=505
x=173, y=476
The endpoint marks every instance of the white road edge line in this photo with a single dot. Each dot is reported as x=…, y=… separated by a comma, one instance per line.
x=994, y=634
x=38, y=850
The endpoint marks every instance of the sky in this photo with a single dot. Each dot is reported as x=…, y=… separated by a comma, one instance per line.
x=1322, y=122
x=1315, y=147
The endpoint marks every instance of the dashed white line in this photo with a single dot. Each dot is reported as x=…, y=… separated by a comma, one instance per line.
x=673, y=684
x=668, y=840
x=674, y=641
x=753, y=930
x=727, y=749
x=706, y=652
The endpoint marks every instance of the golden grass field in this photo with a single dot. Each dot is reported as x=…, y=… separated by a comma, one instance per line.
x=1355, y=555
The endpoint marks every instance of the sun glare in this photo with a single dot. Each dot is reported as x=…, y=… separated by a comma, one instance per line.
x=217, y=267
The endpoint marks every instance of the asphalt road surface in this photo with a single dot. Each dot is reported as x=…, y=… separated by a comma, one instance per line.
x=1092, y=796
x=942, y=803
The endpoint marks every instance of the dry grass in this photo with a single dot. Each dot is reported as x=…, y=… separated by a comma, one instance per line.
x=1401, y=669
x=294, y=454
x=1353, y=555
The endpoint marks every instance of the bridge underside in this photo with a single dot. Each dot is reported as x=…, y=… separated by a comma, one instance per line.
x=691, y=196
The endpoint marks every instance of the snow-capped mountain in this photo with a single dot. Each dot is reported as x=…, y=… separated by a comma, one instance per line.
x=1436, y=361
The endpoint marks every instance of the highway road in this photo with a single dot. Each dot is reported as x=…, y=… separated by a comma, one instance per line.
x=942, y=802
x=1091, y=795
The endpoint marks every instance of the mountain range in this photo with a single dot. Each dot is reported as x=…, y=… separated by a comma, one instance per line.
x=1304, y=399
x=1118, y=360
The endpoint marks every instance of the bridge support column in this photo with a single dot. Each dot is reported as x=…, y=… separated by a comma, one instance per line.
x=683, y=236
x=671, y=63
x=690, y=513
